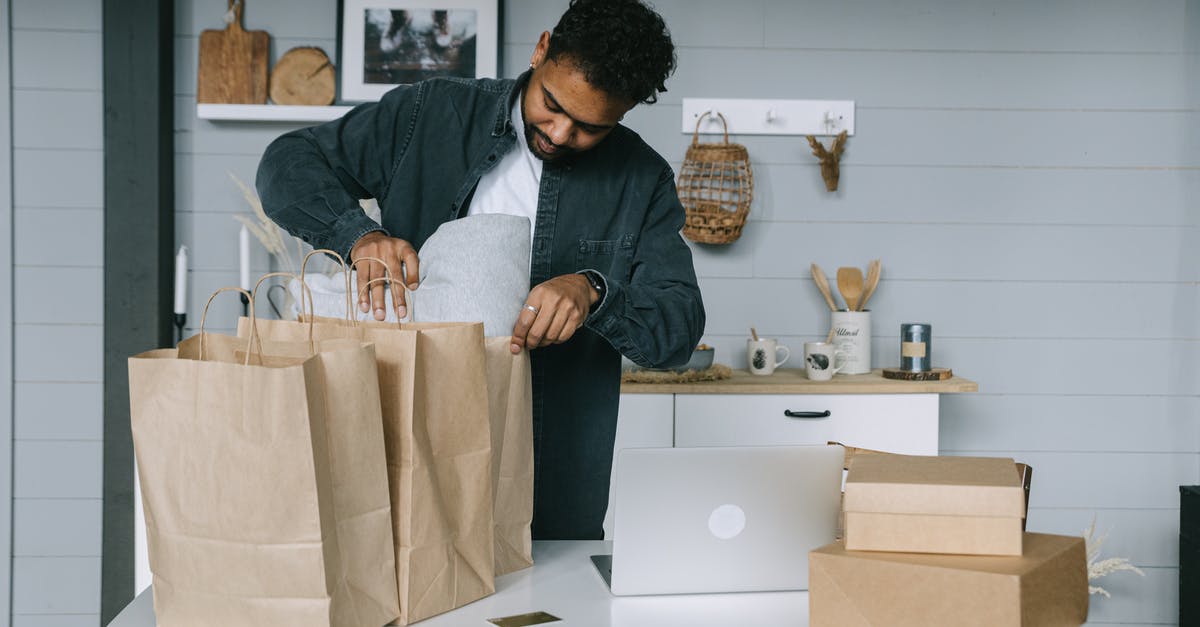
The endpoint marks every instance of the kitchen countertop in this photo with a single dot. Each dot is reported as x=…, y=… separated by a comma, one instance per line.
x=564, y=583
x=794, y=381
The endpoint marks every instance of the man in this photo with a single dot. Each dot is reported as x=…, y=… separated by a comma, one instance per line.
x=611, y=273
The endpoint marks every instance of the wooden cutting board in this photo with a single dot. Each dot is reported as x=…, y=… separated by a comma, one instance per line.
x=233, y=63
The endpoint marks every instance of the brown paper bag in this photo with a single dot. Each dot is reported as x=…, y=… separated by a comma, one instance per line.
x=434, y=395
x=238, y=477
x=510, y=405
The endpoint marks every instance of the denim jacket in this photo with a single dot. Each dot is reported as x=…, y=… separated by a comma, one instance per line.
x=420, y=151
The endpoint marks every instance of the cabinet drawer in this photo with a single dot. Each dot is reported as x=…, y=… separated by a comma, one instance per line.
x=897, y=423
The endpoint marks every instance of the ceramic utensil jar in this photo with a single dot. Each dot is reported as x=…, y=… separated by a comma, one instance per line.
x=852, y=335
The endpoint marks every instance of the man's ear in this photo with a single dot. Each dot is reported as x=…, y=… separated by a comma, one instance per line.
x=539, y=50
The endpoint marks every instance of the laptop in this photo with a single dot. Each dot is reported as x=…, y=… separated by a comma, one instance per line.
x=728, y=519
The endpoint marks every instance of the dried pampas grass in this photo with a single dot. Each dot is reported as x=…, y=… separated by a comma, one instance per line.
x=273, y=238
x=1098, y=568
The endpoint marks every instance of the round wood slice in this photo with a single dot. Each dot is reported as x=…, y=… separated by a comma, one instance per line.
x=935, y=374
x=303, y=76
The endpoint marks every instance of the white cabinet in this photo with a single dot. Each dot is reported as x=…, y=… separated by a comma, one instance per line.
x=897, y=423
x=866, y=411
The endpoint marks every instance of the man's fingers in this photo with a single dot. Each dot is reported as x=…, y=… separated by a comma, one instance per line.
x=525, y=320
x=364, y=275
x=557, y=327
x=536, y=336
x=378, y=290
x=412, y=268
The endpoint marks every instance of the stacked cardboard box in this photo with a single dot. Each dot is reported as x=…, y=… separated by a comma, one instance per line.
x=939, y=541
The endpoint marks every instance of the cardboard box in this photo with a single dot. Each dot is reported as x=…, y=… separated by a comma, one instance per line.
x=1045, y=587
x=914, y=504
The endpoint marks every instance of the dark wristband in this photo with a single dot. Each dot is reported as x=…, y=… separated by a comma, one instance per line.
x=597, y=282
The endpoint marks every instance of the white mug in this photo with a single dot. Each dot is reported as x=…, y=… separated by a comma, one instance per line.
x=852, y=335
x=820, y=360
x=761, y=356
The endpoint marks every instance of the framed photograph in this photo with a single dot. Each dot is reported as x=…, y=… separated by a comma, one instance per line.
x=384, y=43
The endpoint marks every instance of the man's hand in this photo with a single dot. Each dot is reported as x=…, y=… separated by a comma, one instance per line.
x=553, y=312
x=393, y=251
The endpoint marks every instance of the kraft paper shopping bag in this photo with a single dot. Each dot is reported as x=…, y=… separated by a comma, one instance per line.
x=437, y=436
x=510, y=405
x=245, y=459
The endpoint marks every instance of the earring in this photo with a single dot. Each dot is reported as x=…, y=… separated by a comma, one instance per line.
x=531, y=66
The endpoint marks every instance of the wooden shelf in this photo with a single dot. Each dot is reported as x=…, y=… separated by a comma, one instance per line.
x=269, y=113
x=794, y=381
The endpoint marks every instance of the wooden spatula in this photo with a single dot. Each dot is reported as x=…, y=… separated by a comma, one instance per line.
x=233, y=63
x=873, y=270
x=823, y=285
x=850, y=284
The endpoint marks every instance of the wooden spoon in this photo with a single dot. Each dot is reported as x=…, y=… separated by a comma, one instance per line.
x=850, y=284
x=873, y=270
x=823, y=285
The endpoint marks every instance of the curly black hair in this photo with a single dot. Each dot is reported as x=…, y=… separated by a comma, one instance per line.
x=622, y=47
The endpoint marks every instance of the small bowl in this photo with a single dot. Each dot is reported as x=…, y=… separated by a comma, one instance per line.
x=702, y=359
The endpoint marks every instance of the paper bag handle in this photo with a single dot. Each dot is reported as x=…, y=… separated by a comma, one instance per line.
x=345, y=276
x=306, y=291
x=252, y=340
x=407, y=293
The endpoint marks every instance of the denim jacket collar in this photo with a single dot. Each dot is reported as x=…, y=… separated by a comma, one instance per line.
x=504, y=106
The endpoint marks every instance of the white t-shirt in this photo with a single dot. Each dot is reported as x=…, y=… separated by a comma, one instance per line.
x=512, y=186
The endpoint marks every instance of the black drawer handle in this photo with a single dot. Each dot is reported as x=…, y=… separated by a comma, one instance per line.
x=807, y=414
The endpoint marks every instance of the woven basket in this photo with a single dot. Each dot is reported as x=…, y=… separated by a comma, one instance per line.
x=715, y=187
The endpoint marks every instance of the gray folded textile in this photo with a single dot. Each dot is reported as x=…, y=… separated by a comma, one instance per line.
x=474, y=269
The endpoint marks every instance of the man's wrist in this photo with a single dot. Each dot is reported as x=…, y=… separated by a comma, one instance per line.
x=598, y=287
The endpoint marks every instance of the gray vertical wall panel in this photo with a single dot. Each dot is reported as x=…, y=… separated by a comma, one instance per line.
x=58, y=411
x=58, y=189
x=1067, y=25
x=56, y=620
x=56, y=527
x=59, y=237
x=56, y=60
x=58, y=119
x=50, y=469
x=43, y=299
x=58, y=352
x=56, y=15
x=937, y=79
x=7, y=297
x=58, y=178
x=56, y=585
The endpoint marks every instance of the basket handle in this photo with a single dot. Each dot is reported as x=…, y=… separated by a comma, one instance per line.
x=696, y=133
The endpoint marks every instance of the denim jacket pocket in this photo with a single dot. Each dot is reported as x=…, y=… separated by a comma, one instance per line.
x=611, y=257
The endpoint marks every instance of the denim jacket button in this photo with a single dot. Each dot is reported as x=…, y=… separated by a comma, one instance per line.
x=582, y=247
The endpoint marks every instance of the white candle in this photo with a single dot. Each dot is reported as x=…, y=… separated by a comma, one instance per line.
x=181, y=271
x=244, y=258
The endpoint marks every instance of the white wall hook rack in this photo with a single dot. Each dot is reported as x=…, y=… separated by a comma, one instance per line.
x=770, y=117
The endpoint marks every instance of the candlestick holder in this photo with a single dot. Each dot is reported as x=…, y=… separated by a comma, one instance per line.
x=245, y=305
x=180, y=319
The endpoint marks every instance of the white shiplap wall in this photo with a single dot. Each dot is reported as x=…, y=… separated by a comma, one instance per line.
x=1028, y=172
x=57, y=247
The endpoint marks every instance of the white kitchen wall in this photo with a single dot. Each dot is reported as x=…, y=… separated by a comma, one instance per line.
x=57, y=248
x=1029, y=172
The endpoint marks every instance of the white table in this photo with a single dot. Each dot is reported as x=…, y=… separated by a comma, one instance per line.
x=564, y=583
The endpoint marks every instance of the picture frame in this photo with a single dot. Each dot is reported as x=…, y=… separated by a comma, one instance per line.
x=385, y=43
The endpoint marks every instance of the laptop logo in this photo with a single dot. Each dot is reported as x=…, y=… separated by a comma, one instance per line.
x=727, y=521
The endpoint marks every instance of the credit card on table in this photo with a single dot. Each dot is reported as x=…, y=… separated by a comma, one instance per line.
x=524, y=620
